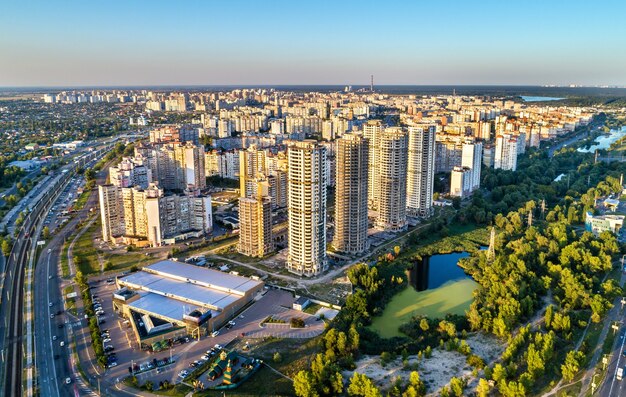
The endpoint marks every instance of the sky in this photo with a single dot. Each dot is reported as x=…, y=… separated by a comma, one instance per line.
x=265, y=42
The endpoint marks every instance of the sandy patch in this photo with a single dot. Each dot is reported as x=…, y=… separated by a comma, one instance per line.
x=435, y=371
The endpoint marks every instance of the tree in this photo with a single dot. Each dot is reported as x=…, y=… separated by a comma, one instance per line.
x=570, y=368
x=46, y=232
x=362, y=386
x=277, y=357
x=456, y=386
x=304, y=385
x=482, y=390
x=6, y=247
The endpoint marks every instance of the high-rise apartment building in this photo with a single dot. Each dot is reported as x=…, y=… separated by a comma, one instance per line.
x=111, y=212
x=506, y=152
x=421, y=170
x=392, y=179
x=371, y=132
x=472, y=158
x=255, y=226
x=307, y=207
x=251, y=170
x=130, y=172
x=190, y=159
x=175, y=166
x=461, y=182
x=351, y=194
x=140, y=216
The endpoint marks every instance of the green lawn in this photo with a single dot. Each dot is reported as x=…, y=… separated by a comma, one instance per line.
x=85, y=254
x=453, y=297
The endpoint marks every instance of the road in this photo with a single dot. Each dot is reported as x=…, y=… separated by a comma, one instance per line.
x=611, y=386
x=12, y=310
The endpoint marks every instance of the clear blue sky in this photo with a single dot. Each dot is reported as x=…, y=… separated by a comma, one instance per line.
x=84, y=42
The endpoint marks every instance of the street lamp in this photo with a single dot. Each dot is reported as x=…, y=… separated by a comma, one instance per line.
x=593, y=383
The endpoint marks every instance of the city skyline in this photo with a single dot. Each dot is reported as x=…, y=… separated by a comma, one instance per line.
x=462, y=43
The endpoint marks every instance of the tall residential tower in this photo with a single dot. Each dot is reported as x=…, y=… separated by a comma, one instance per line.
x=391, y=179
x=421, y=170
x=351, y=194
x=306, y=202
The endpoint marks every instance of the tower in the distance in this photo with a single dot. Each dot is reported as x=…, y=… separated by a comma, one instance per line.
x=372, y=83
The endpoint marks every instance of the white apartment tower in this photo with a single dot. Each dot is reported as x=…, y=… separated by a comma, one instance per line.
x=421, y=171
x=506, y=152
x=472, y=158
x=391, y=180
x=306, y=204
x=461, y=182
x=371, y=132
x=351, y=194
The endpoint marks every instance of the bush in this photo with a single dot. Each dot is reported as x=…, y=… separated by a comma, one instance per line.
x=296, y=322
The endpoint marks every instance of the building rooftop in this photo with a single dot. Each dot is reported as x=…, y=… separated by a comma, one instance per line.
x=163, y=306
x=178, y=284
x=203, y=276
x=189, y=293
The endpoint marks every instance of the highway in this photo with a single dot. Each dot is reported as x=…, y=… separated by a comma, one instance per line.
x=12, y=308
x=55, y=363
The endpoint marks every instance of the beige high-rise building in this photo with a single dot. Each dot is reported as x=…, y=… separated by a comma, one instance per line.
x=111, y=212
x=351, y=194
x=148, y=217
x=391, y=180
x=255, y=226
x=251, y=170
x=141, y=212
x=420, y=170
x=372, y=131
x=190, y=159
x=307, y=207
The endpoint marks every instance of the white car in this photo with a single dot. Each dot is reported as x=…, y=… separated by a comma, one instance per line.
x=107, y=340
x=50, y=304
x=217, y=346
x=231, y=322
x=68, y=381
x=54, y=337
x=215, y=333
x=62, y=343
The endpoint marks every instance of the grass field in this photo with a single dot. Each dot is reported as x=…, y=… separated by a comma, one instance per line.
x=453, y=297
x=87, y=254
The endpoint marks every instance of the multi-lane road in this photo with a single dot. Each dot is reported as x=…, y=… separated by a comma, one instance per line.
x=12, y=309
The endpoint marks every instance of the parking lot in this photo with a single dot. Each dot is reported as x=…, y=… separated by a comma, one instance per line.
x=247, y=324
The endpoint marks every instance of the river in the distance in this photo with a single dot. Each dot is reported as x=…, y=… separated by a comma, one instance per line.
x=605, y=141
x=540, y=98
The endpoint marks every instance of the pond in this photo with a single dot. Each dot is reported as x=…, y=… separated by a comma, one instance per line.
x=437, y=286
x=605, y=141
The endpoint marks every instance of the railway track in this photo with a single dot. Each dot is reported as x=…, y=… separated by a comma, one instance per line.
x=13, y=290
